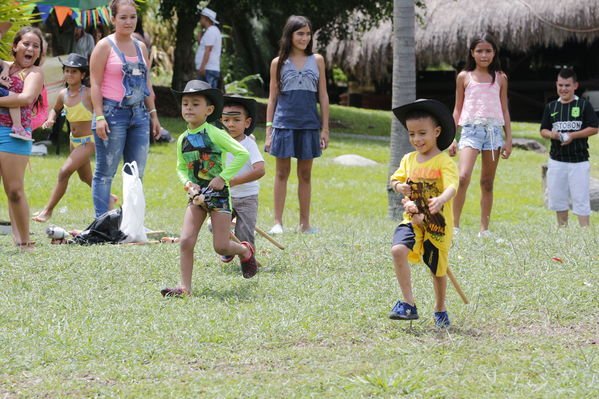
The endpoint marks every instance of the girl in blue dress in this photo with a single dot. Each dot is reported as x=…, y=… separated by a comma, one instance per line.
x=293, y=127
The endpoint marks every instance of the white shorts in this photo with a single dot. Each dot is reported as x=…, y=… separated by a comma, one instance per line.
x=568, y=183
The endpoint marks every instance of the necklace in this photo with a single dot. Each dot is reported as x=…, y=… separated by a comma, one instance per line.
x=76, y=93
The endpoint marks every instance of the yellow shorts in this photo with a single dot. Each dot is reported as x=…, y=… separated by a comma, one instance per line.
x=77, y=141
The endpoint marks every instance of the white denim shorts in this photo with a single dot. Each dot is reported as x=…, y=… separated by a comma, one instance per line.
x=481, y=137
x=568, y=184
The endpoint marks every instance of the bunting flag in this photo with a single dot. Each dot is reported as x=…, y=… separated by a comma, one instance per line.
x=45, y=11
x=62, y=13
x=83, y=18
x=76, y=15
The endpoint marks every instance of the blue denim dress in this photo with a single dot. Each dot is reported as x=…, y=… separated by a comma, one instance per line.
x=129, y=125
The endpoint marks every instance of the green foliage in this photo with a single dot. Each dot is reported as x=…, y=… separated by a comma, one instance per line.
x=243, y=86
x=20, y=15
x=339, y=77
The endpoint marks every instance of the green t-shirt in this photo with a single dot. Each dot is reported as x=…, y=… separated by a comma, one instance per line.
x=201, y=155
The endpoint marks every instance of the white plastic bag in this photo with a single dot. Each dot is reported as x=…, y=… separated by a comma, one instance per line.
x=134, y=205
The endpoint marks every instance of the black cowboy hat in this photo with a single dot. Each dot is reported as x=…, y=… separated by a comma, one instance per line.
x=249, y=104
x=75, y=60
x=439, y=111
x=203, y=88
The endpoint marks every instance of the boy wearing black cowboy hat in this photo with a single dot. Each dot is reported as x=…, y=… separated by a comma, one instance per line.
x=201, y=166
x=239, y=118
x=428, y=179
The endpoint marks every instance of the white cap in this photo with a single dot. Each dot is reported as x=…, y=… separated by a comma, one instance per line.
x=211, y=15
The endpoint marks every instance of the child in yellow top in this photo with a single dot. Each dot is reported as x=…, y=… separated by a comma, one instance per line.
x=75, y=99
x=428, y=179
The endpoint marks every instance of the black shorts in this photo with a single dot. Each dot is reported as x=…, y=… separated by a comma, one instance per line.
x=404, y=235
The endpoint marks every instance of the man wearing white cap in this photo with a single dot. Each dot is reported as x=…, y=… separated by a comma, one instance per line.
x=208, y=54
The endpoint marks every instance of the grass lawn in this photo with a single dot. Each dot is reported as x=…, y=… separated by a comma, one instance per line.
x=90, y=322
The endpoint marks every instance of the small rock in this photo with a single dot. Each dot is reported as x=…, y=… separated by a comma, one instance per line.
x=529, y=145
x=354, y=160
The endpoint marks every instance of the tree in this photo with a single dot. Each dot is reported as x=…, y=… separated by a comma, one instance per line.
x=19, y=15
x=331, y=17
x=188, y=16
x=403, y=89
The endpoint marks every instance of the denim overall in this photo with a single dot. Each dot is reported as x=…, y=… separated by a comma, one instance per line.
x=129, y=124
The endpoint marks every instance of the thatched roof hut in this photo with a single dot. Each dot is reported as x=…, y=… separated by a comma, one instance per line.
x=447, y=27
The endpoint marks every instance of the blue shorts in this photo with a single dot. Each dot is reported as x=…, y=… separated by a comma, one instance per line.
x=435, y=259
x=12, y=145
x=481, y=137
x=302, y=144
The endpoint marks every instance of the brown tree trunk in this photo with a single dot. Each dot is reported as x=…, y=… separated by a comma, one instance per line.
x=184, y=65
x=404, y=90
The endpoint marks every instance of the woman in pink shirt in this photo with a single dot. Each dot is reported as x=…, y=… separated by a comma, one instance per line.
x=481, y=109
x=123, y=102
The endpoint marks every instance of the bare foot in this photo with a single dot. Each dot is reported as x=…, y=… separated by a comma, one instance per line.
x=113, y=201
x=27, y=246
x=42, y=216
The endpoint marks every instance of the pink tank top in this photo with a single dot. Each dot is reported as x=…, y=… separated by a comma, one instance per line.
x=40, y=113
x=482, y=103
x=112, y=83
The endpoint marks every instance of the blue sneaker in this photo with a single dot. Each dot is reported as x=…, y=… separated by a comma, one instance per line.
x=442, y=319
x=403, y=311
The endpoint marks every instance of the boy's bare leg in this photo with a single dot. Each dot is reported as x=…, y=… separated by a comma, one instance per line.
x=487, y=178
x=440, y=286
x=584, y=221
x=466, y=164
x=562, y=218
x=221, y=223
x=283, y=168
x=192, y=222
x=403, y=272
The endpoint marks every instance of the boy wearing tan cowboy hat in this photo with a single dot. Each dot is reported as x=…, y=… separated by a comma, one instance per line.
x=200, y=165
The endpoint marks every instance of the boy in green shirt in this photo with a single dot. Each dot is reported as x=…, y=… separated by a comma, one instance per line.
x=201, y=151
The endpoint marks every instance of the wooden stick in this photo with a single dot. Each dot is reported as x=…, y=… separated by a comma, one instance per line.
x=155, y=232
x=233, y=237
x=142, y=243
x=456, y=285
x=269, y=238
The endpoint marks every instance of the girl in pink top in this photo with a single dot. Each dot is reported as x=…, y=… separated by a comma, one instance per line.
x=481, y=109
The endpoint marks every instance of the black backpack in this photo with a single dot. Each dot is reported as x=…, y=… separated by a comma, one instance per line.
x=103, y=230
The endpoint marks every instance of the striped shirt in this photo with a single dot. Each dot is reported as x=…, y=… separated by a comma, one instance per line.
x=573, y=116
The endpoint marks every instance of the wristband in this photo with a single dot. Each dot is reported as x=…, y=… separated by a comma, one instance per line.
x=268, y=124
x=100, y=118
x=154, y=110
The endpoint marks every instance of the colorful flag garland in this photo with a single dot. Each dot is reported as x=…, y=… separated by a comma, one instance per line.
x=83, y=18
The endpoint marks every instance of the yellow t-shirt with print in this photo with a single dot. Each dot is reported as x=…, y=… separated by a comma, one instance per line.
x=428, y=180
